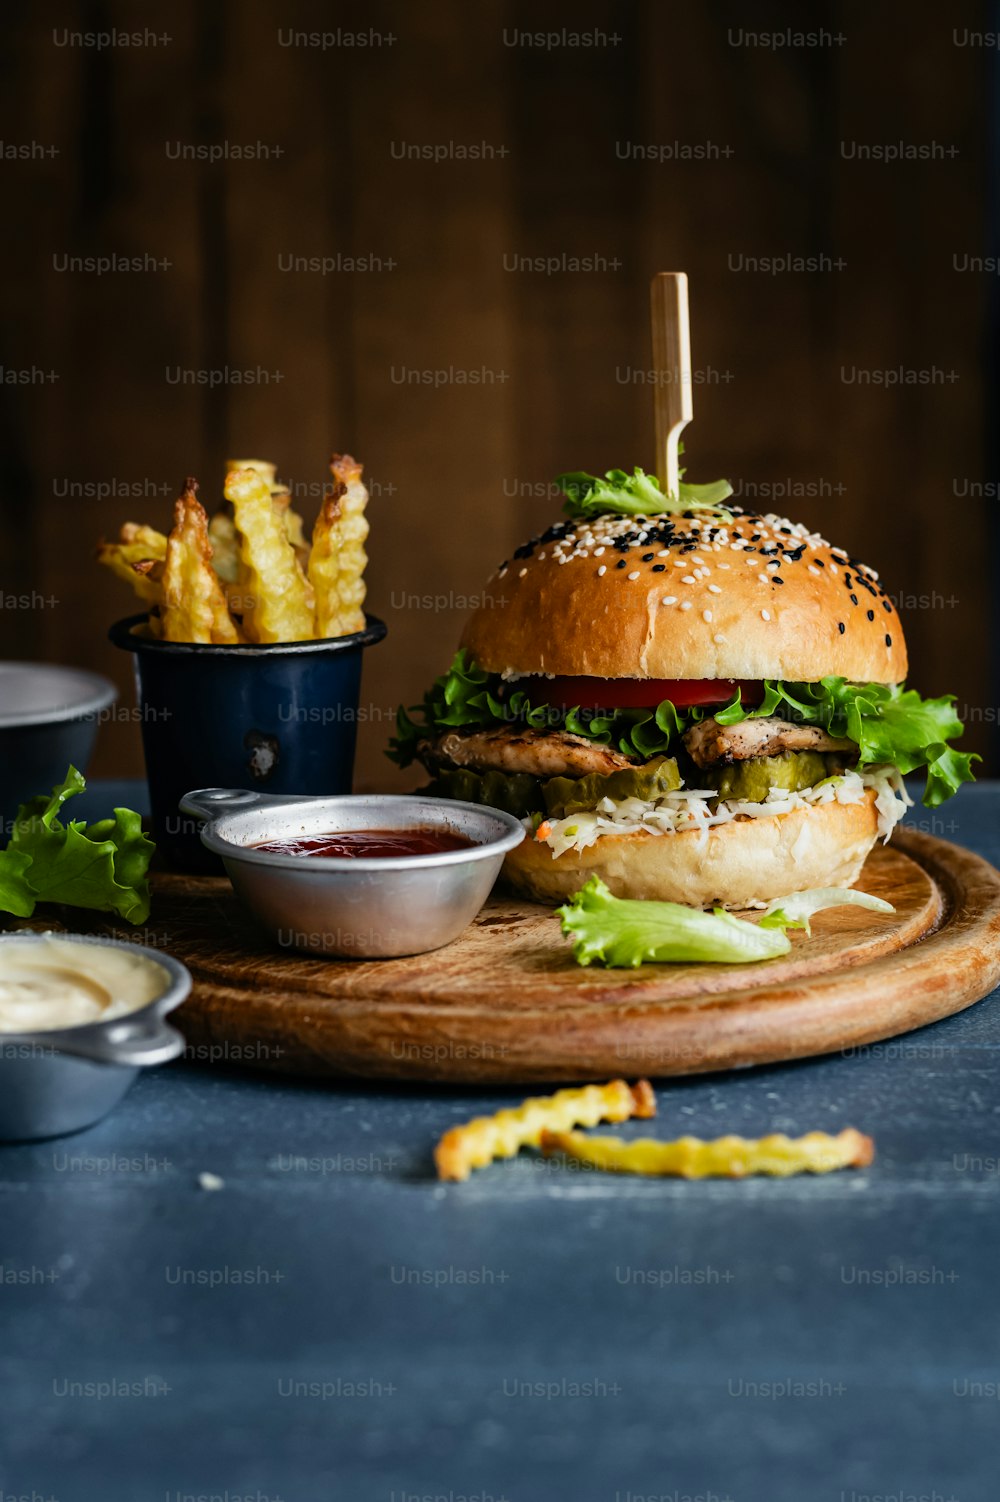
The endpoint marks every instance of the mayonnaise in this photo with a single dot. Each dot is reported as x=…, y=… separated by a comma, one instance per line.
x=53, y=982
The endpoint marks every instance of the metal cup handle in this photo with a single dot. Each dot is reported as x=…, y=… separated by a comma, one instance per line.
x=209, y=803
x=151, y=1042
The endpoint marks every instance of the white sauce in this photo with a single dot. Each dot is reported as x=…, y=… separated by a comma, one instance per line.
x=53, y=983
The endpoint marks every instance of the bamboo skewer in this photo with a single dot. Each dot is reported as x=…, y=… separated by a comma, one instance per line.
x=672, y=396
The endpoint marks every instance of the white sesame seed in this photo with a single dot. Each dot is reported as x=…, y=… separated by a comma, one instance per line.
x=814, y=570
x=718, y=638
x=704, y=572
x=602, y=570
x=763, y=579
x=706, y=615
x=501, y=574
x=685, y=604
x=688, y=579
x=765, y=615
x=598, y=552
x=669, y=600
x=725, y=565
x=680, y=563
x=633, y=575
x=663, y=553
x=714, y=589
x=522, y=573
x=773, y=564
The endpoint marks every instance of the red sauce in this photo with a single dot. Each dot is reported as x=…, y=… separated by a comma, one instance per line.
x=368, y=842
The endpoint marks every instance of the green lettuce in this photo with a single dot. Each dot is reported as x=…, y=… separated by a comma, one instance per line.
x=623, y=933
x=635, y=494
x=101, y=866
x=889, y=723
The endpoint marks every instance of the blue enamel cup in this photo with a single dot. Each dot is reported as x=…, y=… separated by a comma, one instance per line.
x=280, y=718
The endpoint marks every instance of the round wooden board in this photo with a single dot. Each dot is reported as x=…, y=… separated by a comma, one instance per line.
x=507, y=1003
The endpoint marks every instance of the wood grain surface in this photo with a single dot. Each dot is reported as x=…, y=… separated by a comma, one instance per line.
x=507, y=1003
x=461, y=473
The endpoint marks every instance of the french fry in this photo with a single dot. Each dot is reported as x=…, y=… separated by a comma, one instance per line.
x=337, y=557
x=275, y=607
x=262, y=467
x=194, y=606
x=225, y=542
x=478, y=1142
x=281, y=499
x=154, y=543
x=725, y=1158
x=133, y=562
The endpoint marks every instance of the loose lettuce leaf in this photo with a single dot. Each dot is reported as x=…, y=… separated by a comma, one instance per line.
x=102, y=866
x=635, y=494
x=16, y=895
x=623, y=933
x=796, y=910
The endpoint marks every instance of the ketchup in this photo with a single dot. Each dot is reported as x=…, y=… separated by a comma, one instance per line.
x=364, y=843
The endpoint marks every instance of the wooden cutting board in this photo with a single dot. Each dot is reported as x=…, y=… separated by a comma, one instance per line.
x=506, y=1003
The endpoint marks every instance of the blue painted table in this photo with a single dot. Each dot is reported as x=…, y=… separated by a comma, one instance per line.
x=331, y=1324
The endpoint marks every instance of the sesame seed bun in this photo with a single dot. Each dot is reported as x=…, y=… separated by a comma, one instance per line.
x=735, y=864
x=692, y=595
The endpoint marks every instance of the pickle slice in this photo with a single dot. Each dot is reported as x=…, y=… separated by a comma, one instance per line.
x=517, y=793
x=749, y=781
x=573, y=795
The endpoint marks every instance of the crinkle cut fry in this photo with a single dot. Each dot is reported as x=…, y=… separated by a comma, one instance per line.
x=337, y=557
x=275, y=607
x=726, y=1157
x=194, y=606
x=478, y=1142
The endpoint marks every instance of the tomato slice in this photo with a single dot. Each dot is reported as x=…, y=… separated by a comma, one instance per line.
x=637, y=693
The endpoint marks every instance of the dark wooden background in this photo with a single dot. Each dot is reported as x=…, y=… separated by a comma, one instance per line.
x=460, y=471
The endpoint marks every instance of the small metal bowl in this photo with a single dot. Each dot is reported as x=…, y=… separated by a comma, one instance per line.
x=364, y=908
x=60, y=1080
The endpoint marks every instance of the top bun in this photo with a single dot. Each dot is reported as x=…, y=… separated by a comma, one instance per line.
x=693, y=594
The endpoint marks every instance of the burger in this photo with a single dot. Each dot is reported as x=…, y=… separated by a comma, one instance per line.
x=693, y=701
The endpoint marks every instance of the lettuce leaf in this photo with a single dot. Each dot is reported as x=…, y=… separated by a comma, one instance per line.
x=623, y=933
x=889, y=723
x=101, y=866
x=635, y=494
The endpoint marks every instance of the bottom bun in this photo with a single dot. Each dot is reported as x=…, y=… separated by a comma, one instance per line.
x=735, y=865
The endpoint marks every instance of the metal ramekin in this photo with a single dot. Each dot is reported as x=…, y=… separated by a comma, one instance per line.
x=370, y=908
x=61, y=1080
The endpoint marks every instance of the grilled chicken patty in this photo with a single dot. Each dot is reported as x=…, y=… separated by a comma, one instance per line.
x=711, y=744
x=542, y=753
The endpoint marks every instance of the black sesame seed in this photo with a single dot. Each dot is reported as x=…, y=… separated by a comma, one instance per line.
x=658, y=568
x=888, y=639
x=870, y=614
x=648, y=557
x=787, y=531
x=854, y=599
x=820, y=563
x=841, y=627
x=755, y=537
x=621, y=563
x=887, y=606
x=775, y=579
